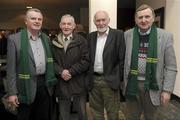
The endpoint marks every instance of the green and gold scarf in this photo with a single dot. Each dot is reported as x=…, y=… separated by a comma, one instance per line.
x=151, y=63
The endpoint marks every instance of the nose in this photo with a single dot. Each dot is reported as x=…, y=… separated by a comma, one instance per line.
x=38, y=20
x=101, y=22
x=143, y=19
x=66, y=25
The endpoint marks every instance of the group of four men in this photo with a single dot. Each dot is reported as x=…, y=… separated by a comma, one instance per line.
x=140, y=61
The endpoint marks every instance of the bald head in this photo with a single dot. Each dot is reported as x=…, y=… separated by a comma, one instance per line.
x=101, y=13
x=101, y=20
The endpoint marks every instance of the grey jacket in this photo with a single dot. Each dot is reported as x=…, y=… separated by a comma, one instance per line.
x=13, y=61
x=166, y=66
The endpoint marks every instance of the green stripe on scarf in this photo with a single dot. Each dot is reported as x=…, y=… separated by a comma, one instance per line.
x=24, y=74
x=150, y=75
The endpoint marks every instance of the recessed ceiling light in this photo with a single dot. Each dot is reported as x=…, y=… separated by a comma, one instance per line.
x=28, y=7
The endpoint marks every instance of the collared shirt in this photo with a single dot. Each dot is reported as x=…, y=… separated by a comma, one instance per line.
x=66, y=42
x=98, y=63
x=145, y=33
x=38, y=53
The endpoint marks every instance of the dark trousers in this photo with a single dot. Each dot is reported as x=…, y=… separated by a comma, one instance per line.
x=68, y=106
x=40, y=109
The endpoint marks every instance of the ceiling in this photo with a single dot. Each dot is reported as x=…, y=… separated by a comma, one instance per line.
x=21, y=4
x=49, y=4
x=12, y=11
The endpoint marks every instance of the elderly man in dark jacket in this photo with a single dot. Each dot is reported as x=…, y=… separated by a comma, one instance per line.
x=71, y=62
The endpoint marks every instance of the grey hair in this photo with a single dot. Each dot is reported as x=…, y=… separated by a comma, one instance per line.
x=68, y=15
x=143, y=7
x=32, y=9
x=102, y=12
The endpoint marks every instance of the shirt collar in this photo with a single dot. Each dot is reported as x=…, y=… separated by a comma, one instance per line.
x=33, y=37
x=145, y=33
x=68, y=37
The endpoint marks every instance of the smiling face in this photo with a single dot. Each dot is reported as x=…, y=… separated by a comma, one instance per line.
x=144, y=19
x=101, y=20
x=34, y=21
x=67, y=25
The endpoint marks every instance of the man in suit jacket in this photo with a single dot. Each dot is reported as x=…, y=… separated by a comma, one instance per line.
x=107, y=48
x=30, y=72
x=150, y=66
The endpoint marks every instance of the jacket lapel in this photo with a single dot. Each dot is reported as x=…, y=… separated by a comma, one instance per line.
x=94, y=42
x=75, y=41
x=109, y=39
x=129, y=46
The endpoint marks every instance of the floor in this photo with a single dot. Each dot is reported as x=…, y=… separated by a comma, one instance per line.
x=171, y=113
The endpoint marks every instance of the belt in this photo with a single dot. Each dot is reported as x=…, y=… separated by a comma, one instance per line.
x=98, y=74
x=41, y=76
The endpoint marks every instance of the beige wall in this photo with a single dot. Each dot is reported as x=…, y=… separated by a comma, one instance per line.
x=109, y=6
x=172, y=25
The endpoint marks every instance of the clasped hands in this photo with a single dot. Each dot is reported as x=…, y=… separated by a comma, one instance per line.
x=66, y=75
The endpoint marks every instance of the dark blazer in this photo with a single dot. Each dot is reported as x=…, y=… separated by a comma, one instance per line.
x=13, y=61
x=113, y=58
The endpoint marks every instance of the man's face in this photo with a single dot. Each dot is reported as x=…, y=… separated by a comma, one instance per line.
x=67, y=25
x=144, y=19
x=101, y=21
x=34, y=21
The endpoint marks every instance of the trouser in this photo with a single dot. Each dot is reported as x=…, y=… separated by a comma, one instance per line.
x=39, y=109
x=77, y=104
x=142, y=104
x=103, y=97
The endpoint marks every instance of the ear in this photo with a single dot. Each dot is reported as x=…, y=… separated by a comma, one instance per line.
x=135, y=20
x=60, y=25
x=25, y=20
x=153, y=19
x=108, y=20
x=74, y=25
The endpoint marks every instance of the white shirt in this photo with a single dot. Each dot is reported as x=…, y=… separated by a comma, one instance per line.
x=98, y=63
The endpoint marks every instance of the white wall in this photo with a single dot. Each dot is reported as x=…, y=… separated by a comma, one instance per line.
x=108, y=5
x=172, y=24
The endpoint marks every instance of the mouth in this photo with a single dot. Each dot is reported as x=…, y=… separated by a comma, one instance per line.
x=143, y=24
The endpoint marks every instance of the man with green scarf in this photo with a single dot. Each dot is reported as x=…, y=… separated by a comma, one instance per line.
x=150, y=66
x=30, y=72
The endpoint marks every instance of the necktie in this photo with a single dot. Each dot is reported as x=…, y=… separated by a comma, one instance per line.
x=65, y=39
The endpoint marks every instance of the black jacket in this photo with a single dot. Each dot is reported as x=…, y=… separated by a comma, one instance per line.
x=113, y=58
x=75, y=59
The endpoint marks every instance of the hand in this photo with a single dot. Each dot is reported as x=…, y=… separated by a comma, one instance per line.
x=66, y=75
x=13, y=100
x=165, y=97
